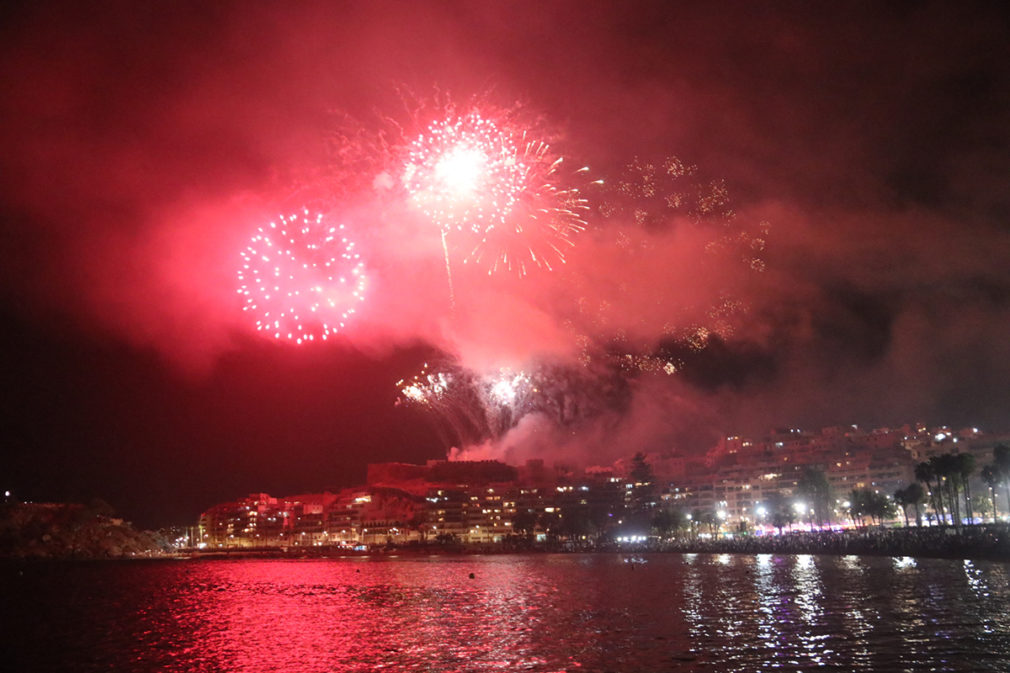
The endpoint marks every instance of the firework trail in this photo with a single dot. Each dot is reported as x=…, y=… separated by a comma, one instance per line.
x=475, y=406
x=506, y=396
x=485, y=406
x=301, y=278
x=463, y=175
x=425, y=388
x=506, y=387
x=448, y=270
x=447, y=394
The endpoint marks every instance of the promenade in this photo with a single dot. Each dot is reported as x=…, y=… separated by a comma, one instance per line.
x=982, y=542
x=991, y=541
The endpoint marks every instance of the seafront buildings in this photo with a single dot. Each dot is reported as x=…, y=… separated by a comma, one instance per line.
x=732, y=488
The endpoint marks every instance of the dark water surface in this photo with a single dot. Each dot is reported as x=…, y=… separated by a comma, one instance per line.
x=605, y=612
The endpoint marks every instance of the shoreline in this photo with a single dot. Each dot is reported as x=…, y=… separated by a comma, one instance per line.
x=990, y=542
x=979, y=542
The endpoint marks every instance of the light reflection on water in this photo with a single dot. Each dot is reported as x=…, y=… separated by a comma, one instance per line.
x=666, y=612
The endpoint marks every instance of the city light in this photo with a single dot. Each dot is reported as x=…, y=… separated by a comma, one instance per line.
x=558, y=513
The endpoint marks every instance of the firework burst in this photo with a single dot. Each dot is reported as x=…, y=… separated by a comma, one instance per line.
x=652, y=194
x=463, y=175
x=301, y=278
x=506, y=396
x=549, y=210
x=487, y=179
x=506, y=387
x=447, y=396
x=468, y=407
x=475, y=406
x=644, y=207
x=427, y=387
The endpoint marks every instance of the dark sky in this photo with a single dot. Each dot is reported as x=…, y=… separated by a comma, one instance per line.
x=143, y=143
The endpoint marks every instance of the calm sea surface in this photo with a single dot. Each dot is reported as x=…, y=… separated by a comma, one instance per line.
x=605, y=612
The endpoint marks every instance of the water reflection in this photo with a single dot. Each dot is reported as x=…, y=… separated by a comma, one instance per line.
x=321, y=617
x=904, y=563
x=769, y=618
x=538, y=613
x=813, y=641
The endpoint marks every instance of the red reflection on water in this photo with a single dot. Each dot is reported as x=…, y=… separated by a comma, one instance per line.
x=258, y=620
x=357, y=615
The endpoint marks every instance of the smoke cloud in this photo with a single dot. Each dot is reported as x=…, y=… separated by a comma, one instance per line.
x=836, y=252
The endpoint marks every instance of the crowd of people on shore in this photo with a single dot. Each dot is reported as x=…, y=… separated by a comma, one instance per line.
x=979, y=541
x=988, y=541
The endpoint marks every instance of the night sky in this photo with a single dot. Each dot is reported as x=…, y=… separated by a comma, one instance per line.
x=143, y=143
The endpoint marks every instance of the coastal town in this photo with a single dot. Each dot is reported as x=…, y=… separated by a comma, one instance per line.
x=912, y=490
x=790, y=481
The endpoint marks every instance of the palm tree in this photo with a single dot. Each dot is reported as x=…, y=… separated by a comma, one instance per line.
x=709, y=518
x=926, y=473
x=866, y=502
x=984, y=506
x=991, y=477
x=667, y=520
x=524, y=523
x=696, y=518
x=1001, y=461
x=913, y=495
x=916, y=496
x=813, y=485
x=946, y=468
x=882, y=507
x=862, y=505
x=641, y=471
x=901, y=498
x=965, y=468
x=780, y=511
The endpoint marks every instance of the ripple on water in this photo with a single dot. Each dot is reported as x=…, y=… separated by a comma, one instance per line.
x=666, y=612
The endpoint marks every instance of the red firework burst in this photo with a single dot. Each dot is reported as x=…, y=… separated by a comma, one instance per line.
x=549, y=210
x=301, y=278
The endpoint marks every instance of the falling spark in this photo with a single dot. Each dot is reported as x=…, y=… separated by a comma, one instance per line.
x=425, y=387
x=505, y=387
x=548, y=212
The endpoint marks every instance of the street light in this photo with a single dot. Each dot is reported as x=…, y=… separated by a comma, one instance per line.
x=801, y=510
